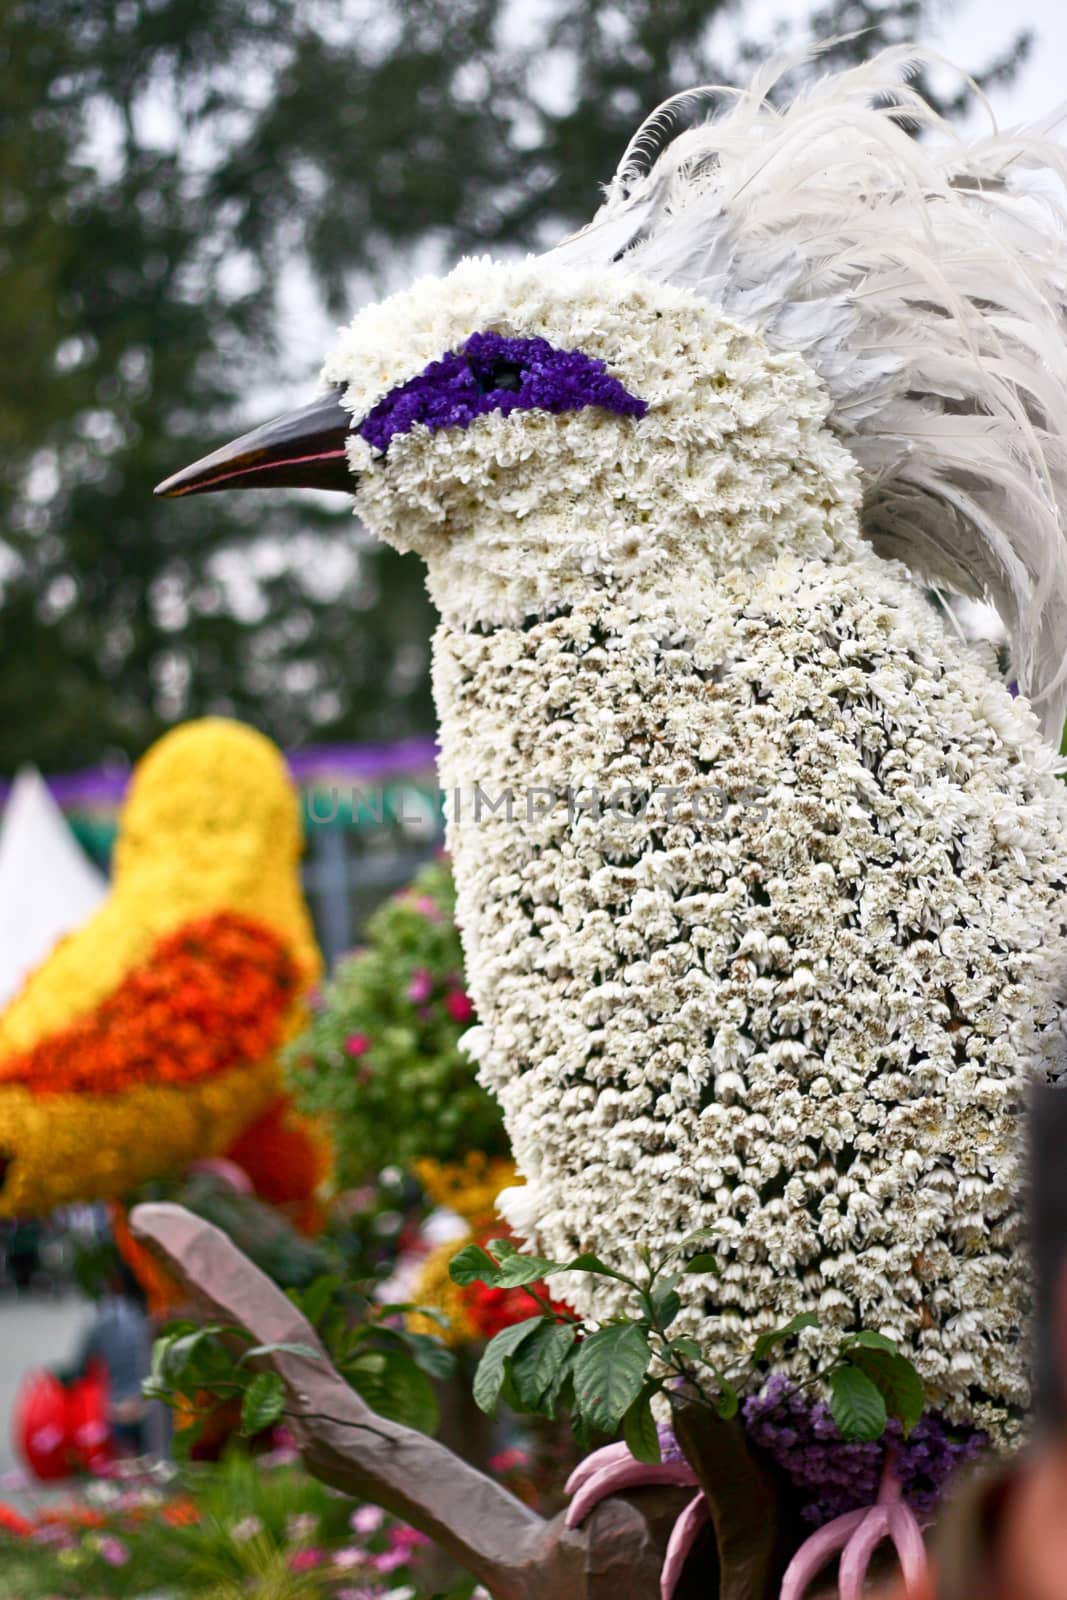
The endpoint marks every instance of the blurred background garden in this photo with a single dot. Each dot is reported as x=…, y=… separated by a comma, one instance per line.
x=192, y=194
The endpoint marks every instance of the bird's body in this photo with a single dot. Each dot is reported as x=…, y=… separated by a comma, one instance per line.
x=773, y=922
x=799, y=1019
x=680, y=485
x=148, y=1037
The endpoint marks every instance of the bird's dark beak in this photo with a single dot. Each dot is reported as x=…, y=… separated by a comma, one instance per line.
x=304, y=449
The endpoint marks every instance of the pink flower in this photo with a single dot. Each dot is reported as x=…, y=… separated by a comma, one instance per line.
x=508, y=1460
x=421, y=986
x=349, y=1558
x=389, y=1560
x=357, y=1044
x=458, y=1005
x=305, y=1560
x=403, y=1537
x=366, y=1520
x=114, y=1552
x=428, y=908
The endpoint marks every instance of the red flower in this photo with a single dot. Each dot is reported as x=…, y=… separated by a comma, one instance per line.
x=458, y=1005
x=490, y=1310
x=12, y=1521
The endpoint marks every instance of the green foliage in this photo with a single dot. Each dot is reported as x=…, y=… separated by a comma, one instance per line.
x=260, y=1231
x=381, y=1058
x=248, y=1519
x=609, y=1373
x=896, y=1380
x=202, y=1366
x=608, y=1376
x=262, y=1403
x=389, y=1367
x=856, y=1404
x=161, y=162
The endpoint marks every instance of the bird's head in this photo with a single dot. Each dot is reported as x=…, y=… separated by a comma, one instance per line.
x=211, y=813
x=527, y=426
x=782, y=309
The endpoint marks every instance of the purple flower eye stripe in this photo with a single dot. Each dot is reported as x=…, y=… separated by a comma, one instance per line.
x=494, y=373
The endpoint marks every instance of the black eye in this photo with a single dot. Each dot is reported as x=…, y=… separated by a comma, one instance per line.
x=501, y=375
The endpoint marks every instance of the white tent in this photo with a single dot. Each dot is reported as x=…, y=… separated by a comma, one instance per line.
x=48, y=886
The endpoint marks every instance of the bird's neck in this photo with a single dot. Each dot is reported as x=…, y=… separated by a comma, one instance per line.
x=501, y=569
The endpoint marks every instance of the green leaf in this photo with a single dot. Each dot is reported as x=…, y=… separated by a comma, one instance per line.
x=472, y=1264
x=698, y=1237
x=856, y=1405
x=492, y=1368
x=662, y=1287
x=609, y=1371
x=315, y=1300
x=283, y=1348
x=502, y=1248
x=688, y=1348
x=587, y=1262
x=519, y=1270
x=263, y=1402
x=561, y=1389
x=536, y=1366
x=176, y=1351
x=640, y=1432
x=896, y=1380
x=428, y=1353
x=196, y=1360
x=729, y=1401
x=705, y=1262
x=408, y=1308
x=667, y=1308
x=394, y=1387
x=866, y=1339
x=767, y=1341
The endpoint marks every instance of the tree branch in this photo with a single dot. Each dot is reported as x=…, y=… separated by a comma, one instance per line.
x=507, y=1546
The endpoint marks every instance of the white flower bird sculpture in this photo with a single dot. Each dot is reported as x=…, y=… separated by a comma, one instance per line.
x=682, y=486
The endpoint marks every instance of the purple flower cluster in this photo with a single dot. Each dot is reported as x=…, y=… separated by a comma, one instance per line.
x=834, y=1476
x=493, y=373
x=669, y=1447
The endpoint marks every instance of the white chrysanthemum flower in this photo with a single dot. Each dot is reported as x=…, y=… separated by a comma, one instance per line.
x=791, y=989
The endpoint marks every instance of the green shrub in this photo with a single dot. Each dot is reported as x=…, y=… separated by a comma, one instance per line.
x=380, y=1060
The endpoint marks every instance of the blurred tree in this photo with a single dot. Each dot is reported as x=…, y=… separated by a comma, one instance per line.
x=183, y=185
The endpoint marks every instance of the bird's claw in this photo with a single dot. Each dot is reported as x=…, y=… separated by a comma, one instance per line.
x=614, y=1469
x=856, y=1535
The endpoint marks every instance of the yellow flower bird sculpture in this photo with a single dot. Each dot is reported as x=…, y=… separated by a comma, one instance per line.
x=148, y=1038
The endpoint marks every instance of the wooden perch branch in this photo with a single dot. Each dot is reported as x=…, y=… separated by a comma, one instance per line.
x=513, y=1551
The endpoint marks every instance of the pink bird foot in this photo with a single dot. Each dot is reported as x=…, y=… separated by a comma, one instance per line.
x=857, y=1535
x=612, y=1469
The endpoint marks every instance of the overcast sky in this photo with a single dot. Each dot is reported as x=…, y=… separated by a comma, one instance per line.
x=980, y=27
x=972, y=33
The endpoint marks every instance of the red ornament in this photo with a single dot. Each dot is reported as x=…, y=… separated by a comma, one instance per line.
x=59, y=1430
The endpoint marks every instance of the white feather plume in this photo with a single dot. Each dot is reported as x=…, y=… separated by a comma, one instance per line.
x=925, y=279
